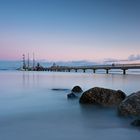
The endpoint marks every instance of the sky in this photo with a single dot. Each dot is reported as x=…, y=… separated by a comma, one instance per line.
x=67, y=30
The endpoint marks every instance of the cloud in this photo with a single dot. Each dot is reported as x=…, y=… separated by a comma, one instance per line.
x=70, y=63
x=134, y=57
x=130, y=58
x=110, y=60
x=12, y=65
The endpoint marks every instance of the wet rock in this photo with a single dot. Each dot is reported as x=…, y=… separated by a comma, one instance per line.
x=75, y=92
x=131, y=105
x=71, y=96
x=102, y=96
x=136, y=123
x=77, y=89
x=59, y=89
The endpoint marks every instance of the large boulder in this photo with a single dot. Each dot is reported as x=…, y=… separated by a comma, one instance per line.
x=102, y=96
x=131, y=105
x=77, y=89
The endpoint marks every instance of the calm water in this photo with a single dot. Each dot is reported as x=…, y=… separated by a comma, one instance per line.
x=30, y=110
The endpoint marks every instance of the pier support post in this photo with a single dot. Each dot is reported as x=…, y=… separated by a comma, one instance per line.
x=75, y=70
x=94, y=70
x=84, y=70
x=107, y=71
x=124, y=71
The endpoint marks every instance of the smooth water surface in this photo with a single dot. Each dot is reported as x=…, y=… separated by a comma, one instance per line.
x=31, y=110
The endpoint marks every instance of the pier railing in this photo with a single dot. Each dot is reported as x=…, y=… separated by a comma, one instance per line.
x=123, y=67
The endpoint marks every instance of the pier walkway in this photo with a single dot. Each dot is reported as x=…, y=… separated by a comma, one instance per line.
x=123, y=67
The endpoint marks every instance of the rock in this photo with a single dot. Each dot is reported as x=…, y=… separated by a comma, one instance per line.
x=131, y=105
x=77, y=89
x=102, y=96
x=74, y=91
x=72, y=95
x=59, y=89
x=136, y=123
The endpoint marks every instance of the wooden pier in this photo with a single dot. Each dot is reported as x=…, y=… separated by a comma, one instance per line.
x=107, y=68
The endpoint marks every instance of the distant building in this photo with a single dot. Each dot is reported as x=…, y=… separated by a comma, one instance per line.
x=54, y=65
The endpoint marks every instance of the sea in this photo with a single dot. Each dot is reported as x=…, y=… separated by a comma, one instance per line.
x=34, y=106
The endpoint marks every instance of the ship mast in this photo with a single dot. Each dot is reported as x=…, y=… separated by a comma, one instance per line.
x=28, y=62
x=24, y=65
x=33, y=61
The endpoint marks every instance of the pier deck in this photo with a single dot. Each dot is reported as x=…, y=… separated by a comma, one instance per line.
x=123, y=67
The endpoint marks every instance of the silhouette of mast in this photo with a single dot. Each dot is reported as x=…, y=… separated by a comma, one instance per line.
x=28, y=62
x=24, y=64
x=33, y=61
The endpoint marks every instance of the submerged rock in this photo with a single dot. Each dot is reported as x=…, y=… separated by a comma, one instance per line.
x=77, y=89
x=71, y=96
x=75, y=92
x=102, y=96
x=59, y=89
x=136, y=123
x=131, y=105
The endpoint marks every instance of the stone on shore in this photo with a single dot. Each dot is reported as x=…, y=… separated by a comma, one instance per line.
x=131, y=105
x=102, y=96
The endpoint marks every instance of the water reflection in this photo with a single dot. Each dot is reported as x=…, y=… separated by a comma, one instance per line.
x=30, y=79
x=127, y=83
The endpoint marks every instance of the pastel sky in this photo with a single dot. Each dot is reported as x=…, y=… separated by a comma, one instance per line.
x=69, y=29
